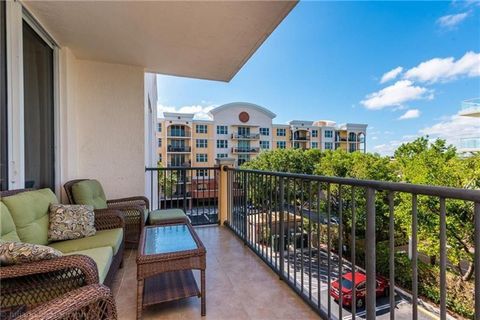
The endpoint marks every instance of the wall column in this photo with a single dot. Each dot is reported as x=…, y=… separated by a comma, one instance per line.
x=223, y=187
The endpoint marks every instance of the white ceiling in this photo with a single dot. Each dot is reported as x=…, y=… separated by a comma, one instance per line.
x=209, y=40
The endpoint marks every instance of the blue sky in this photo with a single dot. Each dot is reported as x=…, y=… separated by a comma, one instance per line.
x=401, y=67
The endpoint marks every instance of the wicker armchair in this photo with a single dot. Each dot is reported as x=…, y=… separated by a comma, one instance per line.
x=91, y=302
x=133, y=209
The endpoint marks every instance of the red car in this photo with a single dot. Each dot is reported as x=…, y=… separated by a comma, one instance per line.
x=361, y=288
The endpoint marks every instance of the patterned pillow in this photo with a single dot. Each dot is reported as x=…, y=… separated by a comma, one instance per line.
x=14, y=252
x=71, y=222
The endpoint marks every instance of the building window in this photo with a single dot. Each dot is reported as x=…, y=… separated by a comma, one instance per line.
x=244, y=131
x=222, y=129
x=281, y=144
x=159, y=127
x=265, y=131
x=159, y=142
x=314, y=133
x=201, y=143
x=202, y=157
x=202, y=173
x=160, y=158
x=314, y=145
x=201, y=128
x=328, y=145
x=265, y=144
x=328, y=134
x=242, y=158
x=222, y=144
x=281, y=132
x=222, y=155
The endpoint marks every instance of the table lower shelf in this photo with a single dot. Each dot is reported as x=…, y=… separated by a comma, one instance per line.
x=169, y=286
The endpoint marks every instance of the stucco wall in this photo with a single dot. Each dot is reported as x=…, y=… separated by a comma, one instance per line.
x=109, y=103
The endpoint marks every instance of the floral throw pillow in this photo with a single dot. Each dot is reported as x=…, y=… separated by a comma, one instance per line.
x=14, y=252
x=71, y=222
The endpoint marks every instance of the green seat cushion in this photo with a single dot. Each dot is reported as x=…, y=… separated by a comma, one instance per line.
x=29, y=211
x=104, y=238
x=102, y=257
x=8, y=231
x=167, y=215
x=89, y=192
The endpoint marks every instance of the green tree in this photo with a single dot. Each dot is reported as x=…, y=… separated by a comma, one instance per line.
x=437, y=163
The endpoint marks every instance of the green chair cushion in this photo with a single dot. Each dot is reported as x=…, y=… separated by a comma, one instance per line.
x=8, y=232
x=29, y=211
x=104, y=238
x=89, y=192
x=167, y=215
x=102, y=257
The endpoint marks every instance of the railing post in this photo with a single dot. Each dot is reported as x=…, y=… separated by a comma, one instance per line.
x=370, y=255
x=477, y=259
x=245, y=208
x=281, y=243
x=223, y=164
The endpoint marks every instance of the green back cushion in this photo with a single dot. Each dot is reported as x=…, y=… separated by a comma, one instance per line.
x=89, y=192
x=8, y=231
x=29, y=211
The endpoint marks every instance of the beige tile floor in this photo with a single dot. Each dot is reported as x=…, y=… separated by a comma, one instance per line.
x=239, y=286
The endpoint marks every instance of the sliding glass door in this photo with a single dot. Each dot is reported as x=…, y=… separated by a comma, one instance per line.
x=38, y=84
x=3, y=100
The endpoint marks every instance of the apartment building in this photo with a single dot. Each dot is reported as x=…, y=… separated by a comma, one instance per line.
x=241, y=131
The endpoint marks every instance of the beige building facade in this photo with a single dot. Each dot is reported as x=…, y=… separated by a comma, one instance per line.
x=242, y=130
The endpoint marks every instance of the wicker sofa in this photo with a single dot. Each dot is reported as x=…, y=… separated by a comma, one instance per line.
x=85, y=261
x=93, y=302
x=134, y=209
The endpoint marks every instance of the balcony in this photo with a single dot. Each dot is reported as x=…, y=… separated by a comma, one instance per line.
x=245, y=150
x=248, y=136
x=178, y=134
x=470, y=144
x=470, y=108
x=235, y=278
x=178, y=149
x=291, y=222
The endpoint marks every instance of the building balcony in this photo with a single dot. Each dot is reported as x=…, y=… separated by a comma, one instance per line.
x=178, y=149
x=245, y=150
x=250, y=136
x=178, y=134
x=178, y=164
x=470, y=108
x=301, y=138
x=470, y=144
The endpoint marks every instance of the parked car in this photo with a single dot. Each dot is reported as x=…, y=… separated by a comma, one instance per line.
x=361, y=288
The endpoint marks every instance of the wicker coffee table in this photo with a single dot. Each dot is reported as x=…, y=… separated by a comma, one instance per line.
x=166, y=256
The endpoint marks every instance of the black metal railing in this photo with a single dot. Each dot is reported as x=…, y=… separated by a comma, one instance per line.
x=245, y=136
x=312, y=230
x=245, y=150
x=171, y=148
x=195, y=190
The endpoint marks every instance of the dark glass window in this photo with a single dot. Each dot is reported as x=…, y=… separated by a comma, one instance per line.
x=38, y=111
x=3, y=101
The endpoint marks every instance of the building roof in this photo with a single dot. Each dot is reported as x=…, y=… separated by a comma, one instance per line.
x=243, y=105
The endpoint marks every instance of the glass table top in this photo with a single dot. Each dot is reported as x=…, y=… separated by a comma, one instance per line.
x=168, y=239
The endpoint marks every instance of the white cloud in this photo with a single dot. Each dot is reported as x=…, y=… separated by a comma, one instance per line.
x=200, y=111
x=451, y=20
x=452, y=129
x=446, y=69
x=396, y=95
x=392, y=74
x=410, y=114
